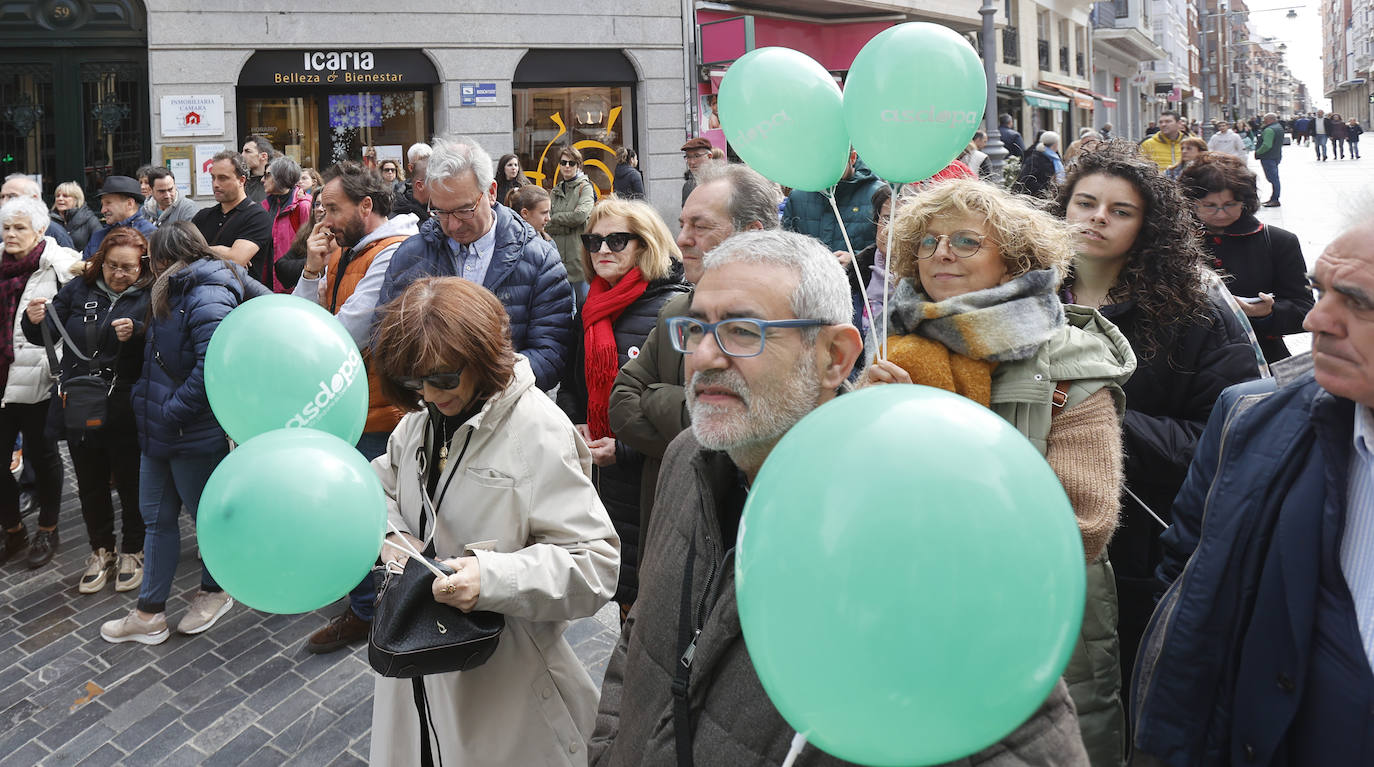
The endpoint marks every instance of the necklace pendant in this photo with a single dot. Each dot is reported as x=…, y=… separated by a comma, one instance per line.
x=443, y=458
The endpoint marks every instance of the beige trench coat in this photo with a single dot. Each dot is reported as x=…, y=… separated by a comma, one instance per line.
x=524, y=504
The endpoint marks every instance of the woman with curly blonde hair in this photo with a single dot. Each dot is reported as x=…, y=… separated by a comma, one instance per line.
x=977, y=312
x=633, y=266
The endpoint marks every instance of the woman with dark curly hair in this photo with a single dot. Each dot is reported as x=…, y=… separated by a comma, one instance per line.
x=1139, y=262
x=1262, y=265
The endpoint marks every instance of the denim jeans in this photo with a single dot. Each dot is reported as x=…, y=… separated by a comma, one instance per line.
x=1321, y=145
x=164, y=485
x=1271, y=172
x=363, y=598
x=1354, y=148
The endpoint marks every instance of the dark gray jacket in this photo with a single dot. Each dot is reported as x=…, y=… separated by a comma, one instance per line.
x=734, y=722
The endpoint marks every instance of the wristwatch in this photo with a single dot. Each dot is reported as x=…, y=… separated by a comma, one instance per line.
x=309, y=276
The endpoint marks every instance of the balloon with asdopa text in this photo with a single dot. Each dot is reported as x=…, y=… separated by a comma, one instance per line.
x=913, y=99
x=281, y=362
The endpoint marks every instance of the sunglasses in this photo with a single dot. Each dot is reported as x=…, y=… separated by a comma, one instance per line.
x=616, y=241
x=568, y=163
x=438, y=380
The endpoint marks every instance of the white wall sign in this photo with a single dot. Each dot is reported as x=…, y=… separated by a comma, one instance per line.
x=203, y=154
x=181, y=173
x=192, y=116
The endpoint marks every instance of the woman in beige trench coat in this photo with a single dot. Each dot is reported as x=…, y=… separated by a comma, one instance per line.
x=518, y=520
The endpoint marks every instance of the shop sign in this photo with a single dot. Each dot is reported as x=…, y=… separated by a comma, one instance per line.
x=192, y=116
x=476, y=94
x=343, y=69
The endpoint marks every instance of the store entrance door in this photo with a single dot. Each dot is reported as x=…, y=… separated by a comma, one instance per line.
x=74, y=94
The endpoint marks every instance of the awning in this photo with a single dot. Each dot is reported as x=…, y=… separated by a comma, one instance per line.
x=1046, y=101
x=1079, y=100
x=1107, y=101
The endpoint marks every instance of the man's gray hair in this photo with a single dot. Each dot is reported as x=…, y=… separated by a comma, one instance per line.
x=419, y=153
x=752, y=197
x=29, y=186
x=456, y=155
x=1357, y=209
x=286, y=172
x=822, y=291
x=26, y=207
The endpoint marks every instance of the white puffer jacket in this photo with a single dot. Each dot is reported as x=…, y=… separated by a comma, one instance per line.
x=30, y=378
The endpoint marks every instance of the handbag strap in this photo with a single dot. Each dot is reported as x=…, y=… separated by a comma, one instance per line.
x=417, y=685
x=687, y=646
x=429, y=506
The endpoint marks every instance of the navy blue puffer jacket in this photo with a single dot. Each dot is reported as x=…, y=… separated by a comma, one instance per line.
x=170, y=404
x=525, y=273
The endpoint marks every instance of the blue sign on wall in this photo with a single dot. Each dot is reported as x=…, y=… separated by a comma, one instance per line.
x=475, y=94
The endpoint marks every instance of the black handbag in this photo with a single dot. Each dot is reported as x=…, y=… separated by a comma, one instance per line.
x=84, y=400
x=414, y=635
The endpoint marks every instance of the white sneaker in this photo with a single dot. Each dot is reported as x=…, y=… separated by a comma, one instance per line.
x=132, y=628
x=129, y=572
x=98, y=566
x=205, y=609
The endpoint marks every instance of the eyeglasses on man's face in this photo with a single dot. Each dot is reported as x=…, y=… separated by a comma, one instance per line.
x=460, y=213
x=568, y=163
x=963, y=243
x=737, y=336
x=616, y=241
x=445, y=381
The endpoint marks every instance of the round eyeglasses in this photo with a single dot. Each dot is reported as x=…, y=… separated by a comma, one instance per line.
x=963, y=243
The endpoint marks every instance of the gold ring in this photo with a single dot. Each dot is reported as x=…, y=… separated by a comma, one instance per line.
x=449, y=588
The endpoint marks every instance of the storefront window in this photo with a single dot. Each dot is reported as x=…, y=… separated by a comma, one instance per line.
x=320, y=130
x=594, y=119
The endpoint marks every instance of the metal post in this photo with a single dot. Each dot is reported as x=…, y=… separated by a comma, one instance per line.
x=1206, y=69
x=994, y=150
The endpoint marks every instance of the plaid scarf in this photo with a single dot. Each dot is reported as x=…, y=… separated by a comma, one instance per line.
x=14, y=276
x=601, y=359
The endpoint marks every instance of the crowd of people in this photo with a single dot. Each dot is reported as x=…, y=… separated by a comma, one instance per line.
x=568, y=403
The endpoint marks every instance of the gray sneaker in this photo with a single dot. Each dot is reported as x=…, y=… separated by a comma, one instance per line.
x=132, y=628
x=205, y=609
x=129, y=573
x=98, y=566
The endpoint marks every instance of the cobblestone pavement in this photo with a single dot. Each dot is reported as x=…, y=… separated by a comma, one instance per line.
x=244, y=692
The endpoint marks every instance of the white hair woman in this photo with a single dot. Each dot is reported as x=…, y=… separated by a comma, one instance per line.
x=33, y=266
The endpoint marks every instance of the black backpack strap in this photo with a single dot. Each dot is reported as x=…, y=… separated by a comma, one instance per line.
x=687, y=647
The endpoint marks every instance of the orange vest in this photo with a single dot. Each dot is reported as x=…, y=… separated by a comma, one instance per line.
x=382, y=416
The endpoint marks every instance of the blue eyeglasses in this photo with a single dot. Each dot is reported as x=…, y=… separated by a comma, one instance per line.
x=737, y=336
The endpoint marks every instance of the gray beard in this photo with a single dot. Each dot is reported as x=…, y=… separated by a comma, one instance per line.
x=749, y=436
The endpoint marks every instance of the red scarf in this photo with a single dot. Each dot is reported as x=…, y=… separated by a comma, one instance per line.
x=602, y=358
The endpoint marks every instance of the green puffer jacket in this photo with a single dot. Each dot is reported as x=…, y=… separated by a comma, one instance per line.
x=810, y=213
x=1090, y=353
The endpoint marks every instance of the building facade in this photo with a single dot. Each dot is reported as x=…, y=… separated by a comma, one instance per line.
x=1348, y=59
x=1122, y=41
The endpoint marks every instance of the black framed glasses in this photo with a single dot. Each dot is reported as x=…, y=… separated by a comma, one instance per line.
x=437, y=380
x=616, y=241
x=737, y=336
x=568, y=163
x=963, y=243
x=1208, y=209
x=462, y=213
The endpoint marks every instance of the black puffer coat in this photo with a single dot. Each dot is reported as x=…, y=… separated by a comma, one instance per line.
x=1254, y=257
x=121, y=362
x=1168, y=401
x=80, y=223
x=618, y=484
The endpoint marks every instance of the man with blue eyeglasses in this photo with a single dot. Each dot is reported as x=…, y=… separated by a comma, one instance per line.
x=471, y=235
x=766, y=341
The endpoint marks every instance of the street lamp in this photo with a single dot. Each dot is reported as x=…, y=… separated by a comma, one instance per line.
x=994, y=150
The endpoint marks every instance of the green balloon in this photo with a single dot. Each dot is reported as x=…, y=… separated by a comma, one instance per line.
x=910, y=577
x=284, y=362
x=291, y=520
x=783, y=115
x=913, y=99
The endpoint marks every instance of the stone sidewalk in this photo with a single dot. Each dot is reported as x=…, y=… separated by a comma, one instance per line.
x=244, y=692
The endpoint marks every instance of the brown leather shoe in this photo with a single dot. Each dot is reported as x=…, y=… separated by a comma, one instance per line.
x=340, y=631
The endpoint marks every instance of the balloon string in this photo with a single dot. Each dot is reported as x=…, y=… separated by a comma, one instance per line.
x=854, y=264
x=798, y=743
x=887, y=264
x=408, y=548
